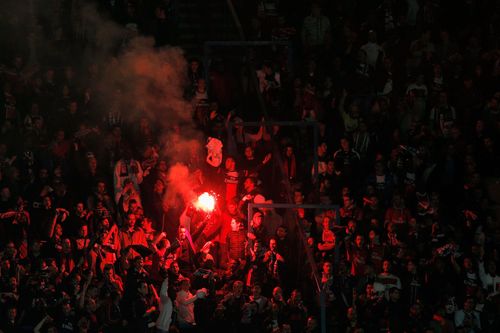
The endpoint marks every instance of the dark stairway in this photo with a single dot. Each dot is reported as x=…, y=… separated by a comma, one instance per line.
x=203, y=20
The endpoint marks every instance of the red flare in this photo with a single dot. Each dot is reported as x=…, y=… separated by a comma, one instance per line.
x=205, y=202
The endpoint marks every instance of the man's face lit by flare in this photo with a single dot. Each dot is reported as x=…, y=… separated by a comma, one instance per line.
x=182, y=233
x=230, y=164
x=272, y=244
x=131, y=219
x=234, y=225
x=249, y=152
x=257, y=220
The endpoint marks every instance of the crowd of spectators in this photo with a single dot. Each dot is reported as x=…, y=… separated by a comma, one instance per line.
x=405, y=97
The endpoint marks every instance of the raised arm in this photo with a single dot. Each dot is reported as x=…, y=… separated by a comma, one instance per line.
x=184, y=299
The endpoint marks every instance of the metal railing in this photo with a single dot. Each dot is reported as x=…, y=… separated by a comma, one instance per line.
x=310, y=258
x=236, y=19
x=276, y=150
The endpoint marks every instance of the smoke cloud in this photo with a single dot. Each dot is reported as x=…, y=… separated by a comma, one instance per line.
x=147, y=82
x=132, y=77
x=181, y=182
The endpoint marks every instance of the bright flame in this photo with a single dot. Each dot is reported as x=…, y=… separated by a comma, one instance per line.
x=205, y=202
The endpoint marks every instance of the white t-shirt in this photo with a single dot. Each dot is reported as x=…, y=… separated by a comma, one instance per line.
x=185, y=306
x=372, y=52
x=489, y=282
x=165, y=316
